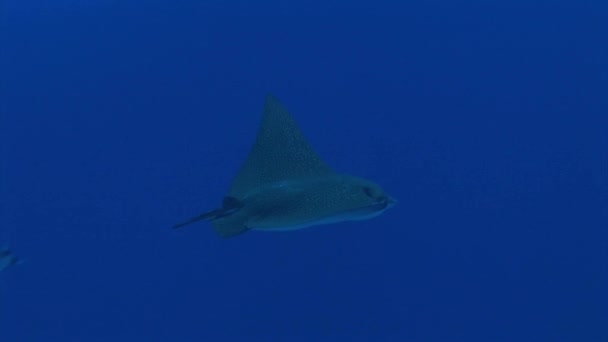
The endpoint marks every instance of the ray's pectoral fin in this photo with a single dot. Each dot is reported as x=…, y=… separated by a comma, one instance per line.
x=230, y=206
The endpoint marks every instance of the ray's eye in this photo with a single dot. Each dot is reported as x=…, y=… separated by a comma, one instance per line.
x=369, y=191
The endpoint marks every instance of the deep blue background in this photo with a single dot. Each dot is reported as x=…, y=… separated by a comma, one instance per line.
x=487, y=122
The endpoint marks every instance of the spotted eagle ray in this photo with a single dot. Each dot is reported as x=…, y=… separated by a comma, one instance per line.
x=284, y=185
x=7, y=259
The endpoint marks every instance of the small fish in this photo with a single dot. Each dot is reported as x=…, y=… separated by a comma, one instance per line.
x=285, y=185
x=7, y=259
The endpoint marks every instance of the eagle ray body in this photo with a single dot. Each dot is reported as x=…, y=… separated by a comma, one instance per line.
x=285, y=185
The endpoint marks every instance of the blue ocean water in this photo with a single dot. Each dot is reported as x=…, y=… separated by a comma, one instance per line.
x=488, y=121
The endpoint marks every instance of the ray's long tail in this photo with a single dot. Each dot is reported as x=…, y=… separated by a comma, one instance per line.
x=229, y=207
